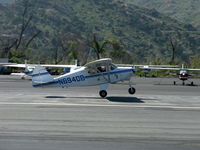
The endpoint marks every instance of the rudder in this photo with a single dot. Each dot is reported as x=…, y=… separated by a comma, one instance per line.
x=40, y=76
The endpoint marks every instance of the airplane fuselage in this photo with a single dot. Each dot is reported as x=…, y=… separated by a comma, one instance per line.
x=183, y=77
x=183, y=74
x=81, y=77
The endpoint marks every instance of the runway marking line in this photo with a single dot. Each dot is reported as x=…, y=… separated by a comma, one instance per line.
x=103, y=105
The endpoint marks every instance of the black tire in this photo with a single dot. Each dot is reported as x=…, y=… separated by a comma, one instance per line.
x=174, y=82
x=103, y=93
x=192, y=83
x=131, y=90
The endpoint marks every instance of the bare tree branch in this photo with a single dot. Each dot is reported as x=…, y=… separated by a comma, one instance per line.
x=32, y=38
x=173, y=45
x=24, y=24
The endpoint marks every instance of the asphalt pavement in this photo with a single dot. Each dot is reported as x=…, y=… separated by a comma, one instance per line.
x=159, y=116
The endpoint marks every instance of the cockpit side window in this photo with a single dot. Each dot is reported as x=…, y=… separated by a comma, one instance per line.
x=92, y=71
x=101, y=68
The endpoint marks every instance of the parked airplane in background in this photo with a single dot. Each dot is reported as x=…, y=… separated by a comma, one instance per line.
x=145, y=68
x=29, y=68
x=183, y=73
x=100, y=72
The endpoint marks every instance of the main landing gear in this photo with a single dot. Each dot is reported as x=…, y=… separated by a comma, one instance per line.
x=131, y=89
x=183, y=83
x=103, y=93
x=104, y=87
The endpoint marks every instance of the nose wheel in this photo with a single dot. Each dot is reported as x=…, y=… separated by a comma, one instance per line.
x=131, y=90
x=103, y=93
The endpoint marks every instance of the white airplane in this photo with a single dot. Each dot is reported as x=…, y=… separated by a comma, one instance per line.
x=183, y=73
x=101, y=72
x=29, y=68
x=145, y=68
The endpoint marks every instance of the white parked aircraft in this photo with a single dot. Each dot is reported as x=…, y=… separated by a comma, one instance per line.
x=100, y=72
x=183, y=73
x=146, y=68
x=29, y=68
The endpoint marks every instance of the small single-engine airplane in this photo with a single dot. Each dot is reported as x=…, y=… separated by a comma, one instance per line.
x=29, y=68
x=145, y=68
x=101, y=72
x=183, y=73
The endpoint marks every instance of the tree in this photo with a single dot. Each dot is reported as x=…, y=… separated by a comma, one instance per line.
x=26, y=20
x=19, y=42
x=173, y=46
x=98, y=47
x=70, y=47
x=6, y=45
x=118, y=54
x=195, y=61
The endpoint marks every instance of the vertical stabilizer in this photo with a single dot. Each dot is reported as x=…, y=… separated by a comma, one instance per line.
x=182, y=66
x=41, y=76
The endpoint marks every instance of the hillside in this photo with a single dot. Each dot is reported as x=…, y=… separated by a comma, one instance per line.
x=6, y=1
x=144, y=33
x=187, y=11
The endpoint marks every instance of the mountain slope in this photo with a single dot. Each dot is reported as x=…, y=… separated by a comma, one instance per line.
x=187, y=11
x=144, y=33
x=6, y=1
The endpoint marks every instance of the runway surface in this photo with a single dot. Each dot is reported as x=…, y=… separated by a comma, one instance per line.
x=159, y=116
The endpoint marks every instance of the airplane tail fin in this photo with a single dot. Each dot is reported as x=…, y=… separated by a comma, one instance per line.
x=182, y=66
x=26, y=66
x=41, y=76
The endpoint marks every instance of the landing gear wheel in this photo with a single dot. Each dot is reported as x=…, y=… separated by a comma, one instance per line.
x=192, y=83
x=131, y=90
x=174, y=82
x=103, y=93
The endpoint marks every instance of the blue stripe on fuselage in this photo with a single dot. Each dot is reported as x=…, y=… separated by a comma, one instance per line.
x=39, y=74
x=48, y=83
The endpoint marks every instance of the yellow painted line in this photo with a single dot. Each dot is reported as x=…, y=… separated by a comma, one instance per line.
x=104, y=105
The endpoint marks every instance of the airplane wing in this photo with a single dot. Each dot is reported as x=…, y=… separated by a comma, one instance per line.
x=145, y=66
x=189, y=69
x=59, y=66
x=33, y=65
x=3, y=64
x=160, y=68
x=18, y=74
x=15, y=65
x=125, y=65
x=193, y=69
